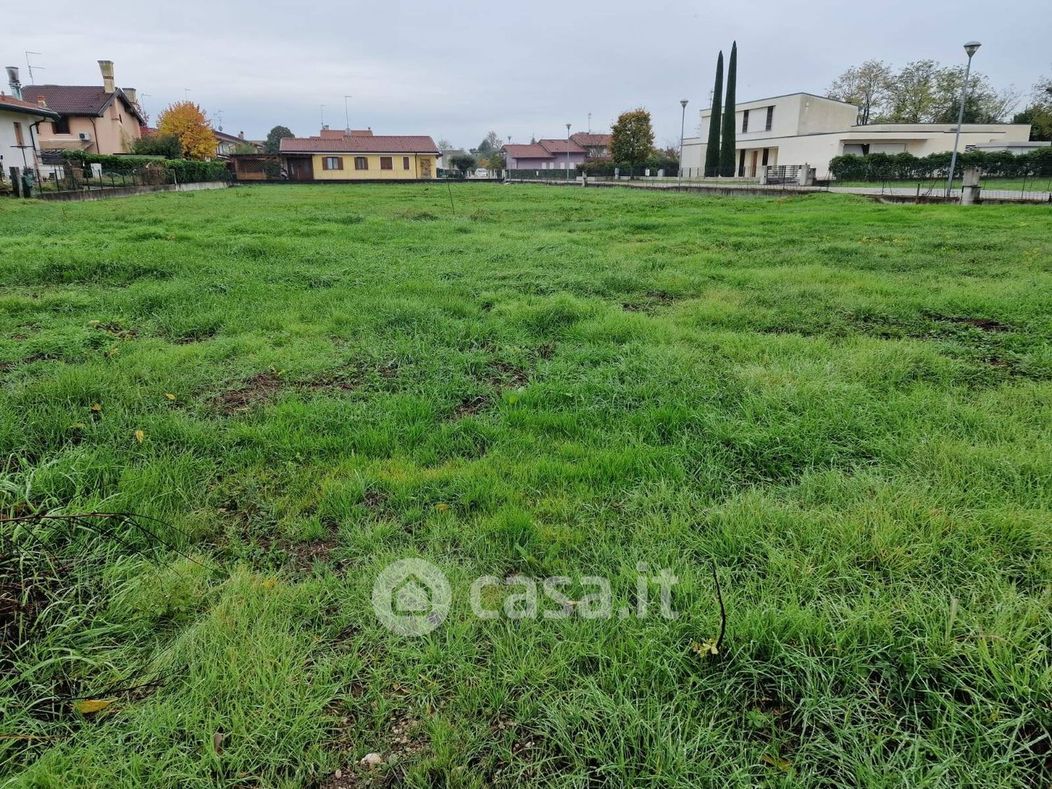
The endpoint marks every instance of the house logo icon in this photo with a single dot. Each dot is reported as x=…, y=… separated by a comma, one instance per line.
x=411, y=597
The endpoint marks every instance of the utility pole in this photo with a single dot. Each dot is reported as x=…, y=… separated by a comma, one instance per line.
x=568, y=152
x=323, y=116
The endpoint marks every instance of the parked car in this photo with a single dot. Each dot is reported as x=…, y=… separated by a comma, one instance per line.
x=481, y=172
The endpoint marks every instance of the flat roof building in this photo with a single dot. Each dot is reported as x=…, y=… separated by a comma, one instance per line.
x=802, y=128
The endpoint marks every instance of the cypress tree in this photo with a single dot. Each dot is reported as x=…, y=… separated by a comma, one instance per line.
x=712, y=150
x=727, y=152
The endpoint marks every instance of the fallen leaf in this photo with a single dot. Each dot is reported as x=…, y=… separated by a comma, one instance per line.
x=140, y=436
x=441, y=507
x=776, y=761
x=96, y=408
x=705, y=648
x=169, y=396
x=217, y=742
x=90, y=706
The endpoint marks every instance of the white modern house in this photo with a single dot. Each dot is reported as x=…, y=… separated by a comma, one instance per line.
x=802, y=128
x=19, y=144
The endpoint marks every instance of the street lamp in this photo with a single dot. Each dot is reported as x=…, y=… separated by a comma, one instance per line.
x=346, y=114
x=682, y=124
x=971, y=48
x=568, y=152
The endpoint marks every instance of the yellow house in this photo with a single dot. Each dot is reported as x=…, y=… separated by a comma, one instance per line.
x=359, y=155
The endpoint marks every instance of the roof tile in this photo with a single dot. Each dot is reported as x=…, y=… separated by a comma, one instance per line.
x=373, y=144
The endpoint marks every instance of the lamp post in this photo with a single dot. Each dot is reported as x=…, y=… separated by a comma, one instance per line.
x=682, y=125
x=568, y=152
x=971, y=48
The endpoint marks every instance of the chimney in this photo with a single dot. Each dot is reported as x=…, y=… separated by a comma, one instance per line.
x=13, y=81
x=41, y=102
x=106, y=67
x=132, y=95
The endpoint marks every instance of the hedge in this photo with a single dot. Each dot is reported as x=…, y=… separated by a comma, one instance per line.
x=182, y=170
x=599, y=167
x=906, y=166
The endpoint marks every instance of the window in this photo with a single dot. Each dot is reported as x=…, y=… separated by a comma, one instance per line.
x=386, y=163
x=361, y=163
x=745, y=121
x=766, y=154
x=332, y=163
x=741, y=163
x=61, y=126
x=770, y=118
x=19, y=141
x=405, y=162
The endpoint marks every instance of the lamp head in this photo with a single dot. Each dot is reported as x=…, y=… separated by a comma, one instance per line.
x=683, y=103
x=972, y=47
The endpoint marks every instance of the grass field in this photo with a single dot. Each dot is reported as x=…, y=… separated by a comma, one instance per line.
x=846, y=406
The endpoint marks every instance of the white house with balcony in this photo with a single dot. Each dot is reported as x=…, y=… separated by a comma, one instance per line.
x=802, y=128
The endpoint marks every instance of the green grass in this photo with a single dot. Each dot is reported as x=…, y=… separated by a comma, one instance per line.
x=846, y=406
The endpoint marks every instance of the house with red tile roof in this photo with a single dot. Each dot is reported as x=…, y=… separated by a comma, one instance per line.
x=557, y=154
x=359, y=155
x=19, y=120
x=102, y=118
x=227, y=144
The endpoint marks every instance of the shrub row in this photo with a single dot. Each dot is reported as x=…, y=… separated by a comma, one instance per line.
x=182, y=170
x=605, y=167
x=905, y=166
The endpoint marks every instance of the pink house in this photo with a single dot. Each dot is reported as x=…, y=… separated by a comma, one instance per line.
x=554, y=154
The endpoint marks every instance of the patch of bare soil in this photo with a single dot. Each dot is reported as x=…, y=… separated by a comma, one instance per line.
x=651, y=302
x=260, y=388
x=500, y=376
x=387, y=763
x=986, y=324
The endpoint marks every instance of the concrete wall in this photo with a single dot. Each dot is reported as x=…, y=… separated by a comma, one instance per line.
x=398, y=172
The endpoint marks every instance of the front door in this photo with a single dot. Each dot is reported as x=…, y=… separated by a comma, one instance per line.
x=301, y=168
x=425, y=167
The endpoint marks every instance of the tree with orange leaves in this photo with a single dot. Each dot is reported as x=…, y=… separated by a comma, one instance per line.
x=186, y=121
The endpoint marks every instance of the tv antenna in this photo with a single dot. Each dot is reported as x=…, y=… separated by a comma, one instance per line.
x=29, y=66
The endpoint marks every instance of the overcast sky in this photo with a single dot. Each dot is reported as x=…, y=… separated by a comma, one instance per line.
x=456, y=70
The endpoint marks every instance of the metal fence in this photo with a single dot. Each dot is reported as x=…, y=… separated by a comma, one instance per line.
x=67, y=177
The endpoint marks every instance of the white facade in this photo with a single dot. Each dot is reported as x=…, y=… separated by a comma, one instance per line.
x=19, y=146
x=802, y=128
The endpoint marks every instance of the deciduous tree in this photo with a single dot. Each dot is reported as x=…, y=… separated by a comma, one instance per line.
x=632, y=138
x=274, y=138
x=186, y=121
x=867, y=86
x=1038, y=112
